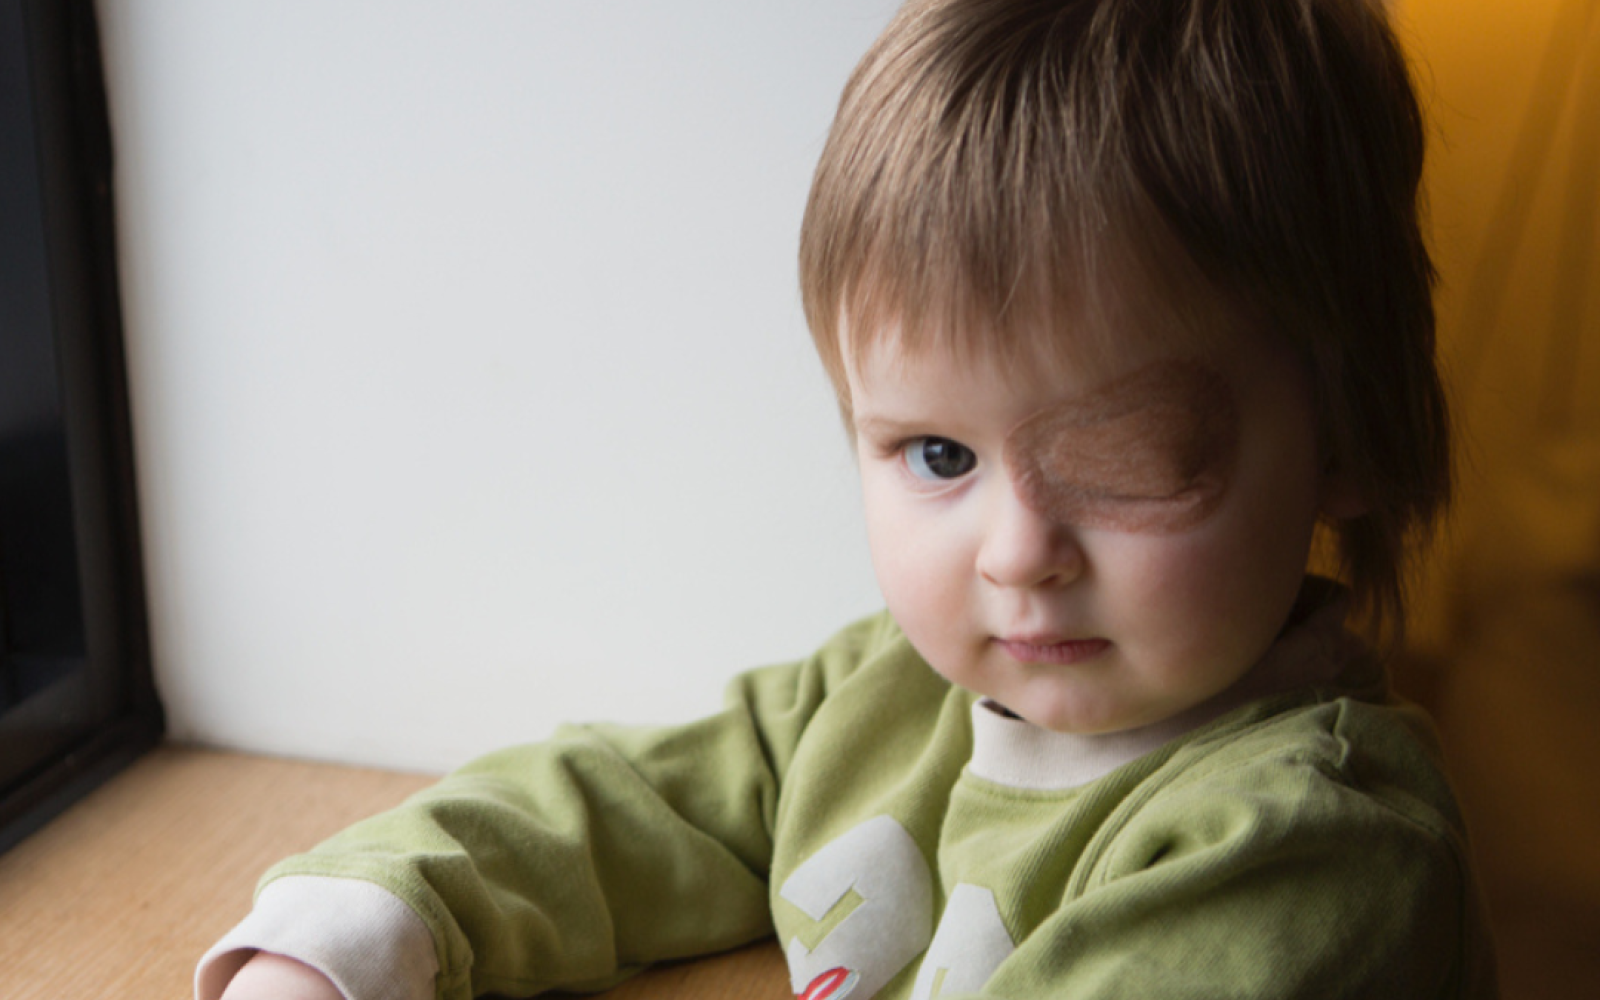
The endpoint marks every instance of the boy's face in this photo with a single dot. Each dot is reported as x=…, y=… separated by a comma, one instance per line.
x=1094, y=550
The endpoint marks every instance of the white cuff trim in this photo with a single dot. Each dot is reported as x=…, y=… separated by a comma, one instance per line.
x=361, y=936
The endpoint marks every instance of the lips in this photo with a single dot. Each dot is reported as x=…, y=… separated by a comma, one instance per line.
x=1052, y=650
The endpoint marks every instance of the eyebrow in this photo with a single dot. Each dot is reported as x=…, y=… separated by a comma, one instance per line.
x=882, y=427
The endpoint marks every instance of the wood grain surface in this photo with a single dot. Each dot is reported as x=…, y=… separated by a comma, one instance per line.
x=122, y=894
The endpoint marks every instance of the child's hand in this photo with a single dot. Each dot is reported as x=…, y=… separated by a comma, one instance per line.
x=274, y=977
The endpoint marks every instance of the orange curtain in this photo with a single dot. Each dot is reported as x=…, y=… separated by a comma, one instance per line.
x=1510, y=608
x=1513, y=91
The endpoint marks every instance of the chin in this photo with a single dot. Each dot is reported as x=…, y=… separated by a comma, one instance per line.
x=1069, y=718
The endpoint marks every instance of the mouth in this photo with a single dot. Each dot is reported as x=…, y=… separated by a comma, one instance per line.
x=1047, y=650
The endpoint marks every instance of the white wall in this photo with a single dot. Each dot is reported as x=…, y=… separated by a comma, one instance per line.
x=471, y=389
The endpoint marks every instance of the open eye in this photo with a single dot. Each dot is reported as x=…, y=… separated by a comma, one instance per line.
x=935, y=459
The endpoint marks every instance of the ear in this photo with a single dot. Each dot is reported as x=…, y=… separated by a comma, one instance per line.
x=1342, y=499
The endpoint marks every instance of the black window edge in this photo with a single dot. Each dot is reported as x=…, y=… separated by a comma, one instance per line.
x=75, y=149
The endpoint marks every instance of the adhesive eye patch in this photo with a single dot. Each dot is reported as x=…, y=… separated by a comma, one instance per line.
x=1152, y=451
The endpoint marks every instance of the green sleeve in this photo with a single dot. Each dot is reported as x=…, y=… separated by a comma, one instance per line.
x=575, y=862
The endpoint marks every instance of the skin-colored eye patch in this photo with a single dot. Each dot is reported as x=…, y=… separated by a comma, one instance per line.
x=1152, y=451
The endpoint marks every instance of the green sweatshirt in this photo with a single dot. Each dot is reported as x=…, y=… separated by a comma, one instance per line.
x=1295, y=838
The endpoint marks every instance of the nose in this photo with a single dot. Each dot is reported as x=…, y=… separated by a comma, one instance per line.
x=1023, y=548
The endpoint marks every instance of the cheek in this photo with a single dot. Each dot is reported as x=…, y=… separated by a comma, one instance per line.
x=887, y=531
x=1215, y=595
x=1181, y=589
x=1163, y=581
x=917, y=559
x=905, y=557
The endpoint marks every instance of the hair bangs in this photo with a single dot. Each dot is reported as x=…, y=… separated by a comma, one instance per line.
x=996, y=209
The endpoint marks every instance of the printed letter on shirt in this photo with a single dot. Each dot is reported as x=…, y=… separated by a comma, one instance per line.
x=971, y=943
x=879, y=870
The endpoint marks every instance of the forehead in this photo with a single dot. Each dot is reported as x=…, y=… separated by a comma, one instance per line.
x=1067, y=357
x=1080, y=337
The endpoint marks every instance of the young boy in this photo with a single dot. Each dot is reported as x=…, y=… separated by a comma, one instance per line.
x=1124, y=303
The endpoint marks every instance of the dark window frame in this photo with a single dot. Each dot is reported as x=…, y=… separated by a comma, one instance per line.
x=61, y=738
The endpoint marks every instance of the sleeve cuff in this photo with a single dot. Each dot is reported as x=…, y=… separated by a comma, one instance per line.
x=361, y=936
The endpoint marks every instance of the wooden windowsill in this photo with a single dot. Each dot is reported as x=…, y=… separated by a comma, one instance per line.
x=121, y=895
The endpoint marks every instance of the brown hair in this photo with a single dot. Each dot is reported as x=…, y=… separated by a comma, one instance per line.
x=994, y=162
